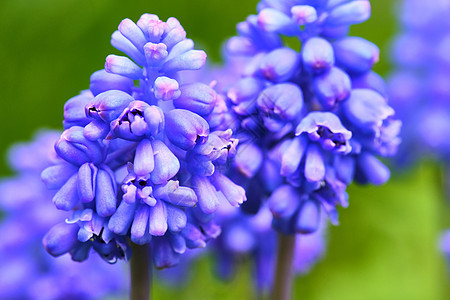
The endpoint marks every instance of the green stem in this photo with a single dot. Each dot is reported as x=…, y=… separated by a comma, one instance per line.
x=140, y=271
x=282, y=288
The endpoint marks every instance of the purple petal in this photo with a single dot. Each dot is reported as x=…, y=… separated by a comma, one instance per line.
x=120, y=221
x=102, y=81
x=284, y=201
x=61, y=238
x=105, y=195
x=55, y=176
x=123, y=66
x=234, y=193
x=140, y=222
x=166, y=163
x=317, y=55
x=314, y=164
x=158, y=219
x=144, y=162
x=67, y=196
x=176, y=218
x=292, y=156
x=207, y=194
x=185, y=129
x=86, y=178
x=196, y=97
x=308, y=218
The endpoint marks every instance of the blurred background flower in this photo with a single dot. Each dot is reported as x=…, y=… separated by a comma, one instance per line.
x=386, y=246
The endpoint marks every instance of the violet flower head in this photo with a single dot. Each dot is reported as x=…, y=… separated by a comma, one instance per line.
x=419, y=83
x=143, y=153
x=310, y=120
x=28, y=272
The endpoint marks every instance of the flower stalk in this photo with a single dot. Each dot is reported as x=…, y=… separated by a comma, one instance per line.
x=140, y=272
x=282, y=288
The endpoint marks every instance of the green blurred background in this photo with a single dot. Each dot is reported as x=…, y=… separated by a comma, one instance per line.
x=386, y=245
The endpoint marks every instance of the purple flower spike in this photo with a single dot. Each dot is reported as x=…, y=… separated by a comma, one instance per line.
x=279, y=65
x=332, y=87
x=317, y=55
x=356, y=54
x=185, y=129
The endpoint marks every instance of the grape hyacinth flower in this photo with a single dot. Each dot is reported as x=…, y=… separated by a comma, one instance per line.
x=142, y=161
x=27, y=271
x=309, y=120
x=419, y=83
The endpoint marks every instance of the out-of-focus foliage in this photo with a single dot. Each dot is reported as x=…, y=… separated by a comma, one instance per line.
x=386, y=245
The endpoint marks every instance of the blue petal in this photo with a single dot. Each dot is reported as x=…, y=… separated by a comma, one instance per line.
x=191, y=60
x=355, y=54
x=86, y=178
x=206, y=192
x=292, y=156
x=308, y=218
x=56, y=176
x=105, y=195
x=350, y=13
x=280, y=64
x=102, y=81
x=61, y=238
x=332, y=87
x=284, y=201
x=314, y=164
x=120, y=221
x=123, y=66
x=166, y=163
x=176, y=218
x=140, y=222
x=317, y=55
x=185, y=129
x=158, y=219
x=67, y=196
x=196, y=97
x=144, y=162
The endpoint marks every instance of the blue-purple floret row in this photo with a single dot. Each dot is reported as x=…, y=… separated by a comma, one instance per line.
x=311, y=118
x=142, y=155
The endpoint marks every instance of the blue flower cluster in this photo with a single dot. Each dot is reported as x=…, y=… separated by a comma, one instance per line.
x=419, y=86
x=310, y=118
x=27, y=271
x=143, y=152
